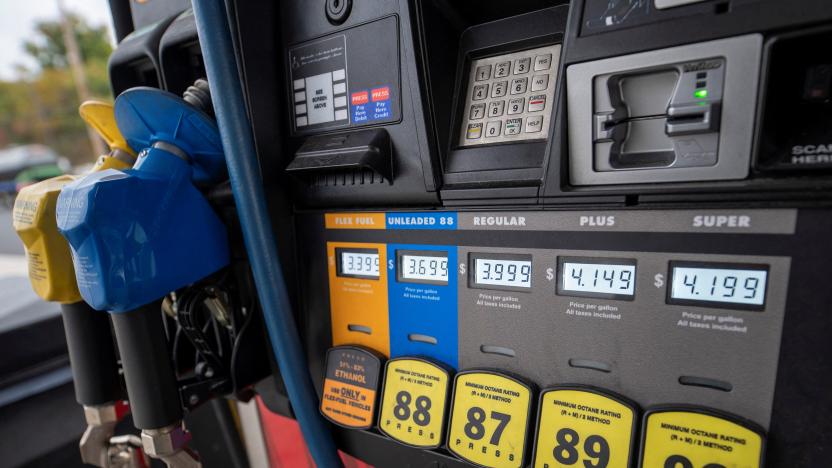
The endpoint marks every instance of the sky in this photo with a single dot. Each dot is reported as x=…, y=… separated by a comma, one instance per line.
x=17, y=21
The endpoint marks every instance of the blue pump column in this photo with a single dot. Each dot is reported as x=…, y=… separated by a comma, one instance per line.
x=246, y=182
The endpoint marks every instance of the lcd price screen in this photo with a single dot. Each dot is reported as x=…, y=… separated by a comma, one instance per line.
x=430, y=267
x=596, y=277
x=501, y=271
x=357, y=263
x=718, y=285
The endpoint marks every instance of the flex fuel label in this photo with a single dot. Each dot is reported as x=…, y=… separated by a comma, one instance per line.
x=358, y=295
x=351, y=386
x=413, y=403
x=699, y=438
x=422, y=296
x=489, y=419
x=582, y=426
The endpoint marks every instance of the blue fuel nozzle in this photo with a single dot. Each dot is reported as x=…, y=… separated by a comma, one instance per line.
x=138, y=234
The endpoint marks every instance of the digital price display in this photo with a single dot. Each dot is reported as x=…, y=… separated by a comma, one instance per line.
x=422, y=266
x=718, y=285
x=501, y=271
x=607, y=278
x=357, y=263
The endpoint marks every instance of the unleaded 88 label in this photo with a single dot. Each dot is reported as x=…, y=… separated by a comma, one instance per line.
x=413, y=403
x=582, y=427
x=489, y=419
x=693, y=439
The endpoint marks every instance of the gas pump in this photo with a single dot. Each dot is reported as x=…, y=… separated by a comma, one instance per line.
x=89, y=338
x=140, y=233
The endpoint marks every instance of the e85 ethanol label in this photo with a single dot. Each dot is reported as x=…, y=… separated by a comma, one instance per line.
x=489, y=419
x=350, y=387
x=413, y=402
x=584, y=428
x=691, y=439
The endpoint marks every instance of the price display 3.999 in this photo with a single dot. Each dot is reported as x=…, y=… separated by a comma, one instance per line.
x=489, y=419
x=584, y=427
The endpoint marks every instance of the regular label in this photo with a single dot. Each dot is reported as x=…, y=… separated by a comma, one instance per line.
x=350, y=387
x=583, y=428
x=413, y=403
x=489, y=419
x=685, y=439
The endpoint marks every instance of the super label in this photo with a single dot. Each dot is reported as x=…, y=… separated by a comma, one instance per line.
x=694, y=439
x=413, y=402
x=584, y=427
x=350, y=387
x=489, y=419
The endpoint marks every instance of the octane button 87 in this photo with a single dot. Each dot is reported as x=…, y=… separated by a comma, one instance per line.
x=489, y=419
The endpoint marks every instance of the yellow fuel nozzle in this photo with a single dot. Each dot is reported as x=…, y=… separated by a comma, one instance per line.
x=50, y=261
x=99, y=115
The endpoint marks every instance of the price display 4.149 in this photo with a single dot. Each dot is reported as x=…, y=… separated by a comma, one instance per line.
x=718, y=285
x=604, y=278
x=359, y=263
x=501, y=271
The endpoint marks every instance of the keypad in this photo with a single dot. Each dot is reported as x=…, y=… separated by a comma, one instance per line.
x=509, y=97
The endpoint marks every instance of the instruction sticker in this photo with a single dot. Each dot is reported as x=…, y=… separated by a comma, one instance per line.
x=489, y=419
x=696, y=439
x=413, y=402
x=350, y=387
x=584, y=427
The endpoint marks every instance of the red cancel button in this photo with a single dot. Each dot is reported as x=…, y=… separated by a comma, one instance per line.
x=381, y=94
x=359, y=98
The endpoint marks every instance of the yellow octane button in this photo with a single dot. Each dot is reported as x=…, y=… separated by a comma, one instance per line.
x=584, y=427
x=489, y=419
x=413, y=402
x=693, y=438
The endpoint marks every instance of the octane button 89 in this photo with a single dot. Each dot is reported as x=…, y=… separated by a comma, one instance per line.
x=699, y=438
x=489, y=419
x=413, y=402
x=584, y=427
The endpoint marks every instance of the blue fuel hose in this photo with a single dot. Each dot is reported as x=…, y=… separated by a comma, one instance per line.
x=247, y=185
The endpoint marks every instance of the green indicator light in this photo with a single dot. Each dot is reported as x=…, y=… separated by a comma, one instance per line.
x=700, y=93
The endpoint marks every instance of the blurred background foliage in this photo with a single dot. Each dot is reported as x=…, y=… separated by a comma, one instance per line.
x=41, y=104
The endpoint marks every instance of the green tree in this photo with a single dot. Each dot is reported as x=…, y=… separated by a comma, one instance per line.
x=49, y=50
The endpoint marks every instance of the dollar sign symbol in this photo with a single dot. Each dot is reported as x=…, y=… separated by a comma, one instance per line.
x=390, y=264
x=461, y=268
x=659, y=280
x=550, y=274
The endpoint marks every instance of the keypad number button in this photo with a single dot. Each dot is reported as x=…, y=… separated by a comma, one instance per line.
x=477, y=112
x=522, y=65
x=518, y=85
x=502, y=69
x=516, y=105
x=480, y=92
x=495, y=109
x=499, y=89
x=492, y=129
x=542, y=62
x=483, y=73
